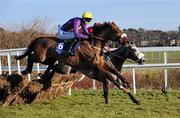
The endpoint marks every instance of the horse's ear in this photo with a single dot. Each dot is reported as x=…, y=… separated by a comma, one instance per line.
x=113, y=23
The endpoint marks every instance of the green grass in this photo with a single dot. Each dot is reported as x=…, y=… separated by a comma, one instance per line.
x=90, y=104
x=158, y=57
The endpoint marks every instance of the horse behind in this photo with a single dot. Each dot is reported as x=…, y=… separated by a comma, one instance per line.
x=117, y=57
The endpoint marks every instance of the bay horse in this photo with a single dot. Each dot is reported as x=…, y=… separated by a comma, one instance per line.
x=114, y=58
x=86, y=57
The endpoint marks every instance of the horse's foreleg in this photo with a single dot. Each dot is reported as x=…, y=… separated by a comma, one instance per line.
x=130, y=95
x=106, y=90
x=133, y=98
x=119, y=76
x=125, y=90
x=46, y=72
x=100, y=75
x=47, y=80
x=29, y=67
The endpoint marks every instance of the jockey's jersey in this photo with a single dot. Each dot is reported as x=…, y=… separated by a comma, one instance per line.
x=77, y=26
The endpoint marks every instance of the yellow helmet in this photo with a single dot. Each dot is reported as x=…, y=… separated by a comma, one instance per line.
x=87, y=15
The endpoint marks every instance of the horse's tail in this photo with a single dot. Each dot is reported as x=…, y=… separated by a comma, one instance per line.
x=28, y=51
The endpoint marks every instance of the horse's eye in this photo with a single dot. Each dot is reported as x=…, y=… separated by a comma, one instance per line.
x=133, y=48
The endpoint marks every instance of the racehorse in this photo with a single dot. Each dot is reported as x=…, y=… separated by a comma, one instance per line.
x=117, y=57
x=114, y=58
x=86, y=57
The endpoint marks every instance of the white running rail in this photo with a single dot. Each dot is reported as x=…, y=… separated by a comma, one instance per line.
x=10, y=53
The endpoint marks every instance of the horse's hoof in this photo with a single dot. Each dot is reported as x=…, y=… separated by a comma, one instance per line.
x=25, y=72
x=46, y=86
x=16, y=58
x=41, y=75
x=138, y=103
x=45, y=89
x=126, y=85
x=164, y=91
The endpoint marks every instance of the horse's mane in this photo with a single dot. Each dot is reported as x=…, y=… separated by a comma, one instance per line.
x=101, y=26
x=114, y=51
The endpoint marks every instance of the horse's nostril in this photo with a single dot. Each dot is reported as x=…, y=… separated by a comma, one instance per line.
x=141, y=61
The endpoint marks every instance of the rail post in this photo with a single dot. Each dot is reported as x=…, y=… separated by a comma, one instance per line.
x=38, y=70
x=134, y=80
x=165, y=73
x=18, y=65
x=0, y=67
x=9, y=62
x=29, y=76
x=94, y=84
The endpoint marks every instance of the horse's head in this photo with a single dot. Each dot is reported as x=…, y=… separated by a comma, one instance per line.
x=129, y=51
x=134, y=54
x=109, y=31
x=117, y=57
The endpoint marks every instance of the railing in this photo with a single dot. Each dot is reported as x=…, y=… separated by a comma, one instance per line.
x=9, y=53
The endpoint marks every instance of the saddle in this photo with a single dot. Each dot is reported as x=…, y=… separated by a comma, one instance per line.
x=66, y=47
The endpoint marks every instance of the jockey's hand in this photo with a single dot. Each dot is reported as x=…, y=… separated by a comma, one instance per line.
x=125, y=41
x=91, y=36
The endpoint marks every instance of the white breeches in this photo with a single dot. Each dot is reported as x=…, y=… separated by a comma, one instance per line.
x=65, y=35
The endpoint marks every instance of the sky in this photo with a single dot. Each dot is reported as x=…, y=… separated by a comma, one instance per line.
x=147, y=14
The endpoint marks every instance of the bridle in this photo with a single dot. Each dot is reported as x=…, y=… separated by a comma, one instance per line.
x=120, y=57
x=118, y=37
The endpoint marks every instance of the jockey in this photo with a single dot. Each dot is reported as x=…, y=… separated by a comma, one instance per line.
x=76, y=28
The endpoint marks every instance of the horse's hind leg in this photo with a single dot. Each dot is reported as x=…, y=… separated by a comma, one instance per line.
x=21, y=56
x=26, y=53
x=29, y=67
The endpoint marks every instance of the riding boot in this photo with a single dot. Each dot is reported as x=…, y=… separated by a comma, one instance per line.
x=72, y=44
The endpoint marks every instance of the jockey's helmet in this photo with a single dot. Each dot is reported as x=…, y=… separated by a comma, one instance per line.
x=87, y=15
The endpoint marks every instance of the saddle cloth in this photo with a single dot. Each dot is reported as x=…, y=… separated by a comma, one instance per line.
x=64, y=46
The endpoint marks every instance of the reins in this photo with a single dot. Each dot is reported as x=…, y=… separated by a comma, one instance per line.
x=99, y=38
x=117, y=55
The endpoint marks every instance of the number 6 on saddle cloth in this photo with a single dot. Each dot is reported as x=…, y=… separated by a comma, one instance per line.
x=64, y=46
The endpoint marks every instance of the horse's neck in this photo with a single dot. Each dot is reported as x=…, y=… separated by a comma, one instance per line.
x=117, y=58
x=85, y=42
x=98, y=47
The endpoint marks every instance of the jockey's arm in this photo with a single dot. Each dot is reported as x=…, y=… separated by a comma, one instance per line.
x=85, y=29
x=78, y=34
